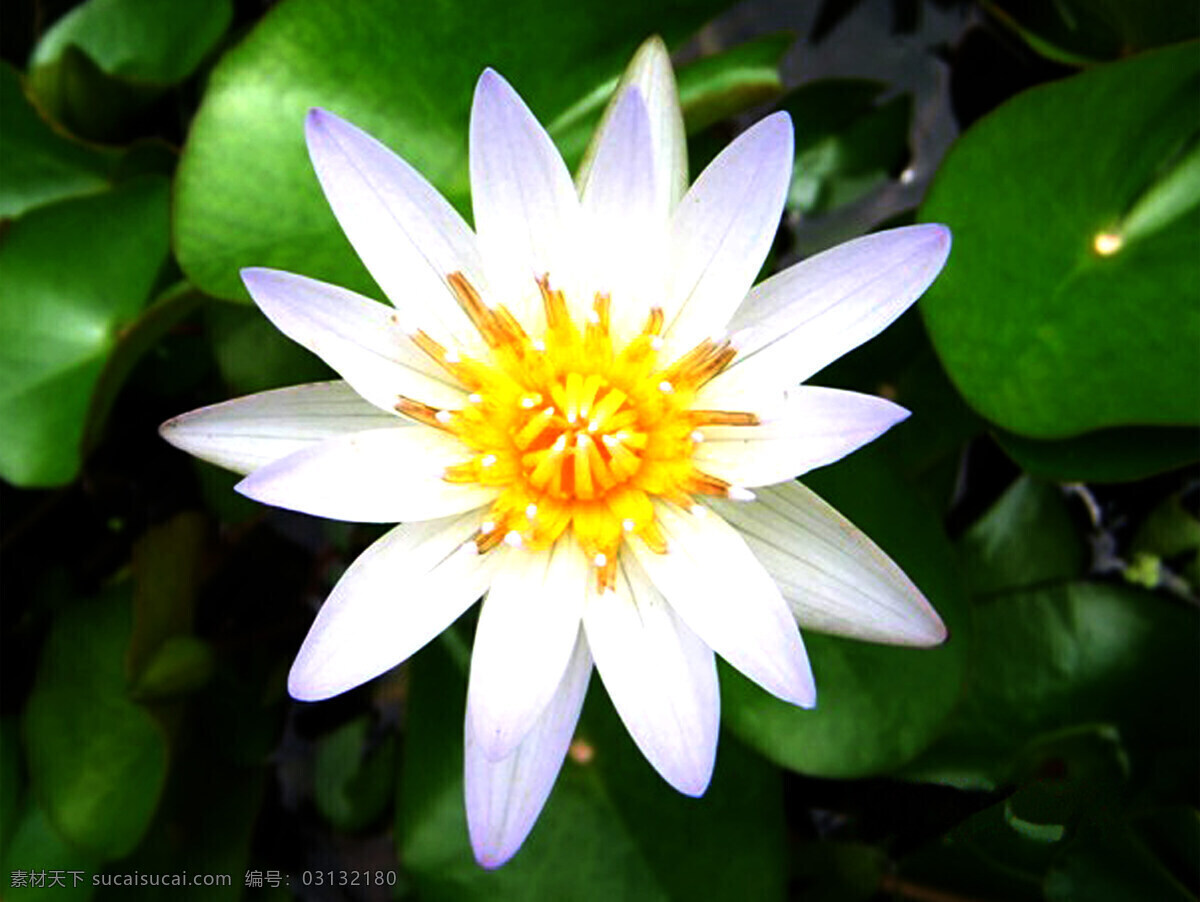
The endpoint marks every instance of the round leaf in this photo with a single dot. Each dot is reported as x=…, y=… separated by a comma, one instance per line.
x=72, y=274
x=1048, y=318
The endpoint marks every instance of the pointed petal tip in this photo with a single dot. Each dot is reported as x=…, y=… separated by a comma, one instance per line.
x=938, y=235
x=653, y=45
x=490, y=81
x=244, y=486
x=319, y=122
x=174, y=432
x=928, y=632
x=777, y=127
x=800, y=688
x=316, y=676
x=256, y=278
x=306, y=687
x=490, y=857
x=693, y=784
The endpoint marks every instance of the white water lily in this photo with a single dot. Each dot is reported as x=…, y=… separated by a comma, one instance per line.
x=566, y=410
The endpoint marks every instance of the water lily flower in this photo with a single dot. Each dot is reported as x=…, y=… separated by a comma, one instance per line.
x=584, y=411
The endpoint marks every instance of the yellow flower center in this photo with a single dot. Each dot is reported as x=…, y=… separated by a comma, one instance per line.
x=575, y=432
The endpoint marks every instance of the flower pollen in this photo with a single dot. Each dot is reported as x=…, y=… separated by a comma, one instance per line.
x=576, y=433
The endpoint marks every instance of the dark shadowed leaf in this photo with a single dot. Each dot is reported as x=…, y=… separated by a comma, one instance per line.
x=41, y=165
x=1026, y=538
x=97, y=761
x=1123, y=454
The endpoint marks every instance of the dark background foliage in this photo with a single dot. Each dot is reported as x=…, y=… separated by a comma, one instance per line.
x=1044, y=494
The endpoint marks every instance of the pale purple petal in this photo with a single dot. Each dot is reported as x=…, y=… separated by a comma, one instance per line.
x=835, y=578
x=650, y=73
x=807, y=316
x=716, y=585
x=527, y=630
x=360, y=338
x=810, y=428
x=722, y=231
x=526, y=208
x=661, y=678
x=247, y=433
x=406, y=233
x=505, y=797
x=625, y=227
x=380, y=476
x=400, y=593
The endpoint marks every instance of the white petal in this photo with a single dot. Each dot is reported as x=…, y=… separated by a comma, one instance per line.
x=361, y=339
x=526, y=208
x=722, y=230
x=527, y=629
x=505, y=797
x=716, y=585
x=834, y=577
x=247, y=433
x=649, y=71
x=400, y=593
x=406, y=233
x=812, y=427
x=627, y=227
x=379, y=476
x=812, y=313
x=662, y=679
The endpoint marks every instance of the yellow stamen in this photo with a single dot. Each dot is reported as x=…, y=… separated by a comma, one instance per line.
x=576, y=433
x=423, y=413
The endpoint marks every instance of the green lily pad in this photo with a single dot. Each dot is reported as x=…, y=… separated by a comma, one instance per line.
x=41, y=165
x=246, y=194
x=97, y=761
x=1061, y=311
x=877, y=706
x=72, y=275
